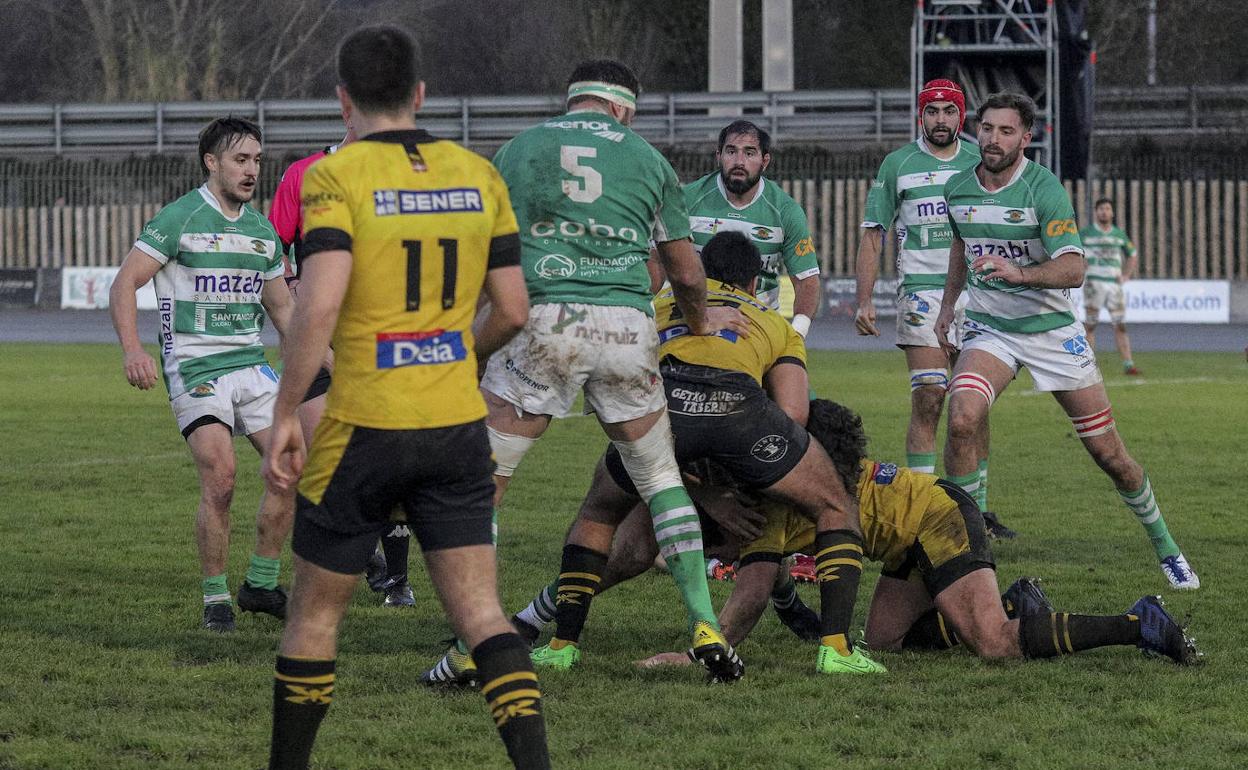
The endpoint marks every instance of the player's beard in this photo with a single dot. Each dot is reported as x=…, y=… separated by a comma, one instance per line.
x=739, y=186
x=238, y=195
x=948, y=137
x=997, y=166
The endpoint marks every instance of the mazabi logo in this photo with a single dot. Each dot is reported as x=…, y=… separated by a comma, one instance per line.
x=770, y=449
x=555, y=266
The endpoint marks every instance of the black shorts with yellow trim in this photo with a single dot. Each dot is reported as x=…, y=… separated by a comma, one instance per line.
x=358, y=482
x=741, y=429
x=952, y=542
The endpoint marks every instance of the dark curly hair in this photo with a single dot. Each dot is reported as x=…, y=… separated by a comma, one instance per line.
x=839, y=430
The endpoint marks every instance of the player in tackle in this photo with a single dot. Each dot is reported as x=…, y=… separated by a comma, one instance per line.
x=589, y=194
x=217, y=266
x=1015, y=236
x=938, y=586
x=403, y=233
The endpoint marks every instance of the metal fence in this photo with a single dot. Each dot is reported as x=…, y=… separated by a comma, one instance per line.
x=1184, y=229
x=672, y=119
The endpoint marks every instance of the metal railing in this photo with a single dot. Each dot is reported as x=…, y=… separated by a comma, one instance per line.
x=796, y=117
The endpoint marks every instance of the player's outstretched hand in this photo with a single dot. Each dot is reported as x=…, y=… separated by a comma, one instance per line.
x=723, y=318
x=283, y=457
x=944, y=322
x=992, y=267
x=140, y=370
x=665, y=659
x=727, y=511
x=864, y=319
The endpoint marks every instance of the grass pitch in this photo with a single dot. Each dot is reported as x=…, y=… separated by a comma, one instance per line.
x=102, y=664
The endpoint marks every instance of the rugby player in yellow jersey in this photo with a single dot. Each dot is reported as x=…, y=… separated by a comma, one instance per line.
x=938, y=585
x=403, y=232
x=741, y=401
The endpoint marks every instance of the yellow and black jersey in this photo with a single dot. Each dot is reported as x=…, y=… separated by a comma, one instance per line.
x=897, y=508
x=424, y=219
x=771, y=341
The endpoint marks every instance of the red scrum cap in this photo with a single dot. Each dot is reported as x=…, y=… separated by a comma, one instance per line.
x=942, y=90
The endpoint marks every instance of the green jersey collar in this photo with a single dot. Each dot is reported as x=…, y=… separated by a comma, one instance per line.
x=212, y=201
x=758, y=194
x=1018, y=174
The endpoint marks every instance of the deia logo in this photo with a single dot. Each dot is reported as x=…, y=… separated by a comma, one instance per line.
x=420, y=348
x=555, y=266
x=770, y=449
x=1014, y=216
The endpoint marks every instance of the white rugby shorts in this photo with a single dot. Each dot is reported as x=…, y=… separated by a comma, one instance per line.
x=1105, y=294
x=611, y=353
x=916, y=318
x=242, y=399
x=1060, y=359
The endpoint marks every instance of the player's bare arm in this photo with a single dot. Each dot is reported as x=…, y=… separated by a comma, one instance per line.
x=684, y=272
x=279, y=304
x=789, y=386
x=507, y=311
x=955, y=281
x=1064, y=271
x=806, y=292
x=137, y=269
x=866, y=270
x=323, y=287
x=1128, y=268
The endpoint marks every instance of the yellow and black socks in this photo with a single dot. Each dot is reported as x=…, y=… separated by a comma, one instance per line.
x=580, y=574
x=838, y=569
x=510, y=689
x=1047, y=635
x=302, y=692
x=930, y=632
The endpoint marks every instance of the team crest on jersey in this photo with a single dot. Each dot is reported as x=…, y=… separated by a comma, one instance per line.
x=1014, y=216
x=770, y=449
x=259, y=246
x=203, y=391
x=761, y=233
x=884, y=473
x=398, y=349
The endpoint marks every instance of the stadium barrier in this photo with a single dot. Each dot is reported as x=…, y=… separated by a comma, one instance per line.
x=1189, y=229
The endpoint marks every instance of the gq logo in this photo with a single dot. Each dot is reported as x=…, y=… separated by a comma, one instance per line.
x=555, y=266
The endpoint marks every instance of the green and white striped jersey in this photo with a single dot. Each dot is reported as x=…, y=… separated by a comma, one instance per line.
x=589, y=193
x=907, y=193
x=209, y=286
x=1029, y=221
x=772, y=220
x=1106, y=251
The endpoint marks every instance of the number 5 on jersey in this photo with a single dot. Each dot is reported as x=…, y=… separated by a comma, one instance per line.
x=587, y=187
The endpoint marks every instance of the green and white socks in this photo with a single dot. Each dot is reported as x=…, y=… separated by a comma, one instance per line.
x=679, y=536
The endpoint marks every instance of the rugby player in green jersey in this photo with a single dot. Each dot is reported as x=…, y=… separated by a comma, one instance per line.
x=217, y=266
x=1112, y=261
x=589, y=196
x=906, y=195
x=1015, y=237
x=737, y=197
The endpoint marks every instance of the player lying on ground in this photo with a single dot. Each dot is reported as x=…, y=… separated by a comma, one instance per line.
x=938, y=586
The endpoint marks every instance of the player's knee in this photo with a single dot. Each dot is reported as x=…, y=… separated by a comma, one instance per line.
x=650, y=460
x=218, y=486
x=997, y=643
x=926, y=403
x=508, y=450
x=963, y=426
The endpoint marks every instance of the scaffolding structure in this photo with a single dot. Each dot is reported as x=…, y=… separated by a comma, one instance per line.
x=989, y=46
